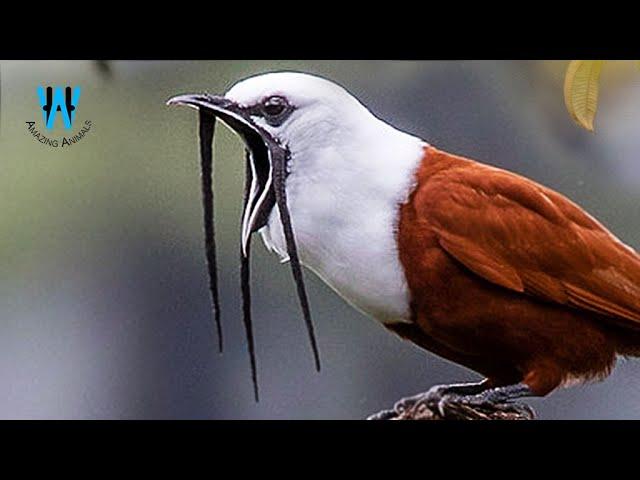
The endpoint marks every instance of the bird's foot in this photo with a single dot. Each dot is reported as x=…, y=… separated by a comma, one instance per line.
x=423, y=403
x=462, y=402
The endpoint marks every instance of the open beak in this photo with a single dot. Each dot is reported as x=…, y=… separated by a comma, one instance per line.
x=260, y=146
x=266, y=174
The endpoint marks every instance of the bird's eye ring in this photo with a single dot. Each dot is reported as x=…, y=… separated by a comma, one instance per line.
x=273, y=107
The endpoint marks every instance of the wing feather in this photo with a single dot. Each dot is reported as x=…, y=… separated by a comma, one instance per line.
x=522, y=236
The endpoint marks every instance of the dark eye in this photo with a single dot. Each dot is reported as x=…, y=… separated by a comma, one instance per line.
x=275, y=109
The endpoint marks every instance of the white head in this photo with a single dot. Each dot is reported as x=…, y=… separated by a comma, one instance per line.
x=302, y=111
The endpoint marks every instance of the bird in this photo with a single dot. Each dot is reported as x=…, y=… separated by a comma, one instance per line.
x=476, y=264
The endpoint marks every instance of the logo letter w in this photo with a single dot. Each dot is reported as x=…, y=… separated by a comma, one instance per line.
x=58, y=100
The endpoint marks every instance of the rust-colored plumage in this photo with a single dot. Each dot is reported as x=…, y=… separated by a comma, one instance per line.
x=512, y=279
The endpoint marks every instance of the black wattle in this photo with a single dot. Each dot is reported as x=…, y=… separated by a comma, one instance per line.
x=245, y=286
x=280, y=157
x=206, y=130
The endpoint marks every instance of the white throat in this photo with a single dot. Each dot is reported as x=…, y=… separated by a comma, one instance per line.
x=344, y=192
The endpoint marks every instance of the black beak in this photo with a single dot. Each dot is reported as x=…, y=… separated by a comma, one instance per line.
x=261, y=199
x=266, y=174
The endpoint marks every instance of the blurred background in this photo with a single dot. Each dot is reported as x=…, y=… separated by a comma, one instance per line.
x=104, y=307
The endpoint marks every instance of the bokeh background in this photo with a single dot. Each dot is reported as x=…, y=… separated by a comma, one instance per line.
x=104, y=308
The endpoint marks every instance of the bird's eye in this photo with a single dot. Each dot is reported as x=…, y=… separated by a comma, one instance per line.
x=275, y=109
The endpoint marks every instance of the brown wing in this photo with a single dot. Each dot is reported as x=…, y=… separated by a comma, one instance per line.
x=528, y=238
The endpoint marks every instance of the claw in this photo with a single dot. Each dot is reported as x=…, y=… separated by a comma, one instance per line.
x=383, y=415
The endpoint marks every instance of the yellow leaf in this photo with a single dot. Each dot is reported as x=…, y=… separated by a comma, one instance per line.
x=581, y=91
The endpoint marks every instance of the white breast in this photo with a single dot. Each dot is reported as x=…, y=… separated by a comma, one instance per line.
x=344, y=204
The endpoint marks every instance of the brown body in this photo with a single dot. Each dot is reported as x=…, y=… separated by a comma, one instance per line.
x=512, y=279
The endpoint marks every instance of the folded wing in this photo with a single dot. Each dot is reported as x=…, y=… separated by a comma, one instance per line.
x=528, y=238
